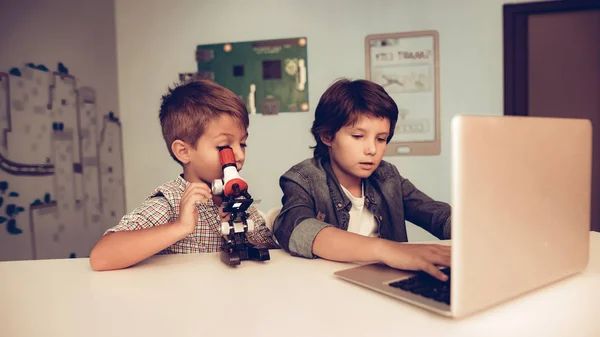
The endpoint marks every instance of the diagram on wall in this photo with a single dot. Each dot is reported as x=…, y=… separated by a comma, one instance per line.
x=61, y=165
x=406, y=65
x=270, y=76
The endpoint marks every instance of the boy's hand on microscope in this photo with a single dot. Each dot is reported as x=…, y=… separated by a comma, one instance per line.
x=194, y=194
x=223, y=216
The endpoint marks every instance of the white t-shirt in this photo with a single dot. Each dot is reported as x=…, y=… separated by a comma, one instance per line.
x=362, y=220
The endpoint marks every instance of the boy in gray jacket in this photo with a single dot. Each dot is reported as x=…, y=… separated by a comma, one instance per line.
x=346, y=203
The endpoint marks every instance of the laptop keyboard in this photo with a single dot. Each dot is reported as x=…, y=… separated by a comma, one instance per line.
x=427, y=286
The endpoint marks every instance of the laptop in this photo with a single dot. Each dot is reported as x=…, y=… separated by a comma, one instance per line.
x=521, y=207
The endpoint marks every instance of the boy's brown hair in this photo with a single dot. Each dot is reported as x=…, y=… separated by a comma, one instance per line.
x=188, y=107
x=343, y=103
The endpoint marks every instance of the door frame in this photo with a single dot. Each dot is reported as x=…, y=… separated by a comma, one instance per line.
x=515, y=32
x=515, y=29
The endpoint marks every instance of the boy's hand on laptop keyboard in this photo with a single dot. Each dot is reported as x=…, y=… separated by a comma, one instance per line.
x=423, y=257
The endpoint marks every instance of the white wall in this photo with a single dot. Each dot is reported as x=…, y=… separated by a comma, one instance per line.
x=157, y=41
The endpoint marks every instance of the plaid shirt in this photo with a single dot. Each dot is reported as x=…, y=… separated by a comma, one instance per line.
x=162, y=206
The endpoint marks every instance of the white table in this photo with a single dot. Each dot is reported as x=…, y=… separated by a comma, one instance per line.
x=198, y=295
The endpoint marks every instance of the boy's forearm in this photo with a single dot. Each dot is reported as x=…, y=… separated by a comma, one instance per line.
x=339, y=245
x=125, y=248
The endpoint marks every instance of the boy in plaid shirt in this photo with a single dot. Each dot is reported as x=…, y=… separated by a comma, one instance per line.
x=181, y=216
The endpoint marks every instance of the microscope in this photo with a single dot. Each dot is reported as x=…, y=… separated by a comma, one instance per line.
x=236, y=200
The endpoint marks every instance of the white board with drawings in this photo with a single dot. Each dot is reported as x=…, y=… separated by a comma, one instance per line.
x=406, y=65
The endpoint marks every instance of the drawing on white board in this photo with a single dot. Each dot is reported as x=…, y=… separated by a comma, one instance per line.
x=405, y=79
x=61, y=165
x=406, y=66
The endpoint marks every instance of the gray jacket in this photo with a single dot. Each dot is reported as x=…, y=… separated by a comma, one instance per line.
x=313, y=199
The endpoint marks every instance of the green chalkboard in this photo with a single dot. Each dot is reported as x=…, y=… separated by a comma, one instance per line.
x=270, y=76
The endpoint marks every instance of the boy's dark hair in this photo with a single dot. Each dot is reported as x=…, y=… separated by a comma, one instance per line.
x=343, y=103
x=188, y=107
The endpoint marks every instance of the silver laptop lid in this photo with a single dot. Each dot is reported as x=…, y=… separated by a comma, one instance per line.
x=521, y=191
